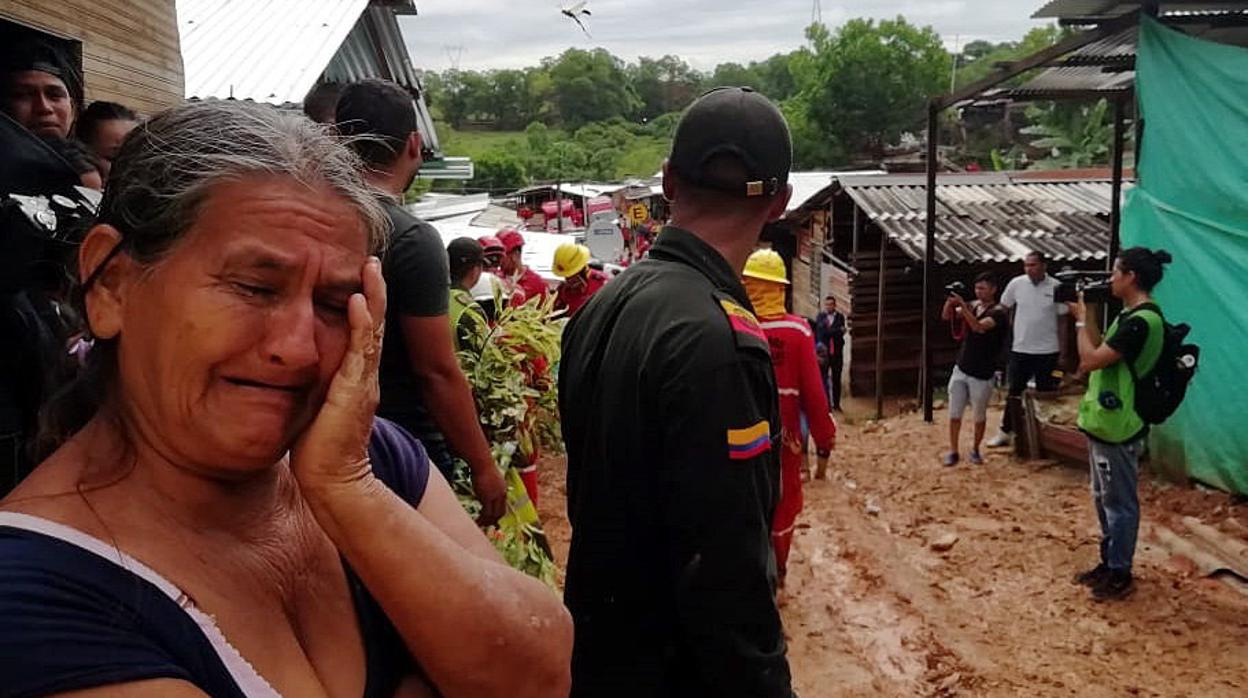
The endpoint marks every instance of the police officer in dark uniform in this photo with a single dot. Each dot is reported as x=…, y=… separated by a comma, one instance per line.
x=672, y=428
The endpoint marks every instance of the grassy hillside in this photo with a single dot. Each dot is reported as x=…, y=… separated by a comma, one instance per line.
x=640, y=156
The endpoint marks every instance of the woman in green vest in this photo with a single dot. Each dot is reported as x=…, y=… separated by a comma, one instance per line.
x=1107, y=412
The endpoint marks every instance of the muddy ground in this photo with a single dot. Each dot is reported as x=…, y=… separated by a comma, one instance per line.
x=874, y=608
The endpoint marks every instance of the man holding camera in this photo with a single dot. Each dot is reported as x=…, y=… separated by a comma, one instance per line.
x=1036, y=346
x=981, y=327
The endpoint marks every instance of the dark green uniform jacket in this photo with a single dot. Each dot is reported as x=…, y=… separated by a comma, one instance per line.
x=670, y=415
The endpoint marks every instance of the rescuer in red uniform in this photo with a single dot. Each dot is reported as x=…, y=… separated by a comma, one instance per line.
x=522, y=282
x=801, y=392
x=571, y=264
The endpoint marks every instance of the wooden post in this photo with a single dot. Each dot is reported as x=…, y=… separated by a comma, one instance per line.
x=929, y=259
x=879, y=329
x=857, y=229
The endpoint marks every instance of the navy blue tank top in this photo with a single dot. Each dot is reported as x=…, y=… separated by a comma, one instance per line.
x=75, y=617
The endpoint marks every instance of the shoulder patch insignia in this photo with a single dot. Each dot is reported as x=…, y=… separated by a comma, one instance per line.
x=742, y=320
x=747, y=443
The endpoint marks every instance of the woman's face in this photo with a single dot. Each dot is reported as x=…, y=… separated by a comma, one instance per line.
x=1120, y=282
x=227, y=345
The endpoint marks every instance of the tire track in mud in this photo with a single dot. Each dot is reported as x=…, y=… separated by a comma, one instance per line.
x=838, y=607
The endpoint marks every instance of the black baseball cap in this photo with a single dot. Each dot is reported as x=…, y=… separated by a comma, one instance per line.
x=465, y=251
x=738, y=122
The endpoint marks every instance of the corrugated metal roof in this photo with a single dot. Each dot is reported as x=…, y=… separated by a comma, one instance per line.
x=1077, y=9
x=1106, y=66
x=270, y=51
x=1116, y=49
x=998, y=220
x=1067, y=80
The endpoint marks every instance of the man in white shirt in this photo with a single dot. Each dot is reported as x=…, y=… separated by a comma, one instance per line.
x=1036, y=345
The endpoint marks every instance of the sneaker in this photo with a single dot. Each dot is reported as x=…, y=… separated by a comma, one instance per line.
x=950, y=458
x=1115, y=585
x=976, y=459
x=1001, y=440
x=1092, y=577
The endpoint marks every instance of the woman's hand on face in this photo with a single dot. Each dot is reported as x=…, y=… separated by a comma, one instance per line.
x=333, y=450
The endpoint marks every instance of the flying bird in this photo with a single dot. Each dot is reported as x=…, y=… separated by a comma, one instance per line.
x=574, y=11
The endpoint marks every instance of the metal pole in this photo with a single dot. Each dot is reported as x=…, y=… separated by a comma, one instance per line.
x=879, y=329
x=559, y=196
x=1115, y=196
x=929, y=259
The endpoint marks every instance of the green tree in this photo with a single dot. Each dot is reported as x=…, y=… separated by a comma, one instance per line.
x=735, y=75
x=663, y=85
x=508, y=100
x=499, y=171
x=775, y=78
x=979, y=58
x=590, y=86
x=866, y=83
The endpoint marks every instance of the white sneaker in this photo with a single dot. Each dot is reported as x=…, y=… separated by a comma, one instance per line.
x=1000, y=440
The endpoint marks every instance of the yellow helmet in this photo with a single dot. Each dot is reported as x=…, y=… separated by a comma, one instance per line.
x=570, y=259
x=766, y=265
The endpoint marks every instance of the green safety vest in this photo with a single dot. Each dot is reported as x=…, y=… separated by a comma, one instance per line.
x=1107, y=411
x=475, y=324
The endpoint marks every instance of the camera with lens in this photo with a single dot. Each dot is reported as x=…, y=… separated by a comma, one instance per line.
x=957, y=288
x=1094, y=285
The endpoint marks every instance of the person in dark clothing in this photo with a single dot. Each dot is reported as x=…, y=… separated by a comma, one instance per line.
x=671, y=420
x=422, y=386
x=981, y=326
x=830, y=333
x=39, y=88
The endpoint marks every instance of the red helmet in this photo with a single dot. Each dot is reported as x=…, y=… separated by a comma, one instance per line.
x=491, y=244
x=511, y=239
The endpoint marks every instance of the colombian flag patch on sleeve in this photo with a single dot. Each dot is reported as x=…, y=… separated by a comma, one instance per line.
x=742, y=320
x=744, y=444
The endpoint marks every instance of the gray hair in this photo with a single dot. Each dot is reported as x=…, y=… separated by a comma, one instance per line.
x=169, y=164
x=167, y=168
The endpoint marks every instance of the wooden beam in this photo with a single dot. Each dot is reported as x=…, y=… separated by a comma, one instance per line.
x=1037, y=59
x=929, y=258
x=879, y=331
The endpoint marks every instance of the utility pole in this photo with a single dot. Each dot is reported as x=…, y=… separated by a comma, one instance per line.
x=957, y=53
x=559, y=194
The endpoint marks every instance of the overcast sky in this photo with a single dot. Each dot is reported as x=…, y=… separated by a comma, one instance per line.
x=484, y=34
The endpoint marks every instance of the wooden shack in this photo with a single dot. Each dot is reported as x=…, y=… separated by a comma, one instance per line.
x=128, y=50
x=874, y=247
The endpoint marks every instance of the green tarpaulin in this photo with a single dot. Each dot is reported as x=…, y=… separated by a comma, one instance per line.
x=1192, y=199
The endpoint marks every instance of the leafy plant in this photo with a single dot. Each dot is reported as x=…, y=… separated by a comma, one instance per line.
x=510, y=371
x=1073, y=135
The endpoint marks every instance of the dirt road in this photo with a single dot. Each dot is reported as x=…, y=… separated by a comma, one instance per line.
x=908, y=578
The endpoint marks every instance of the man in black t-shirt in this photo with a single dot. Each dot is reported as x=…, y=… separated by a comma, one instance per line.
x=422, y=386
x=981, y=326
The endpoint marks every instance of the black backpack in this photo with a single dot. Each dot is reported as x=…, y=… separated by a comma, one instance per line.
x=1159, y=392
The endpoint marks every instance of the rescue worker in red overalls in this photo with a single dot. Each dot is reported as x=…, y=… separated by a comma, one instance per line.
x=580, y=281
x=801, y=392
x=522, y=282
